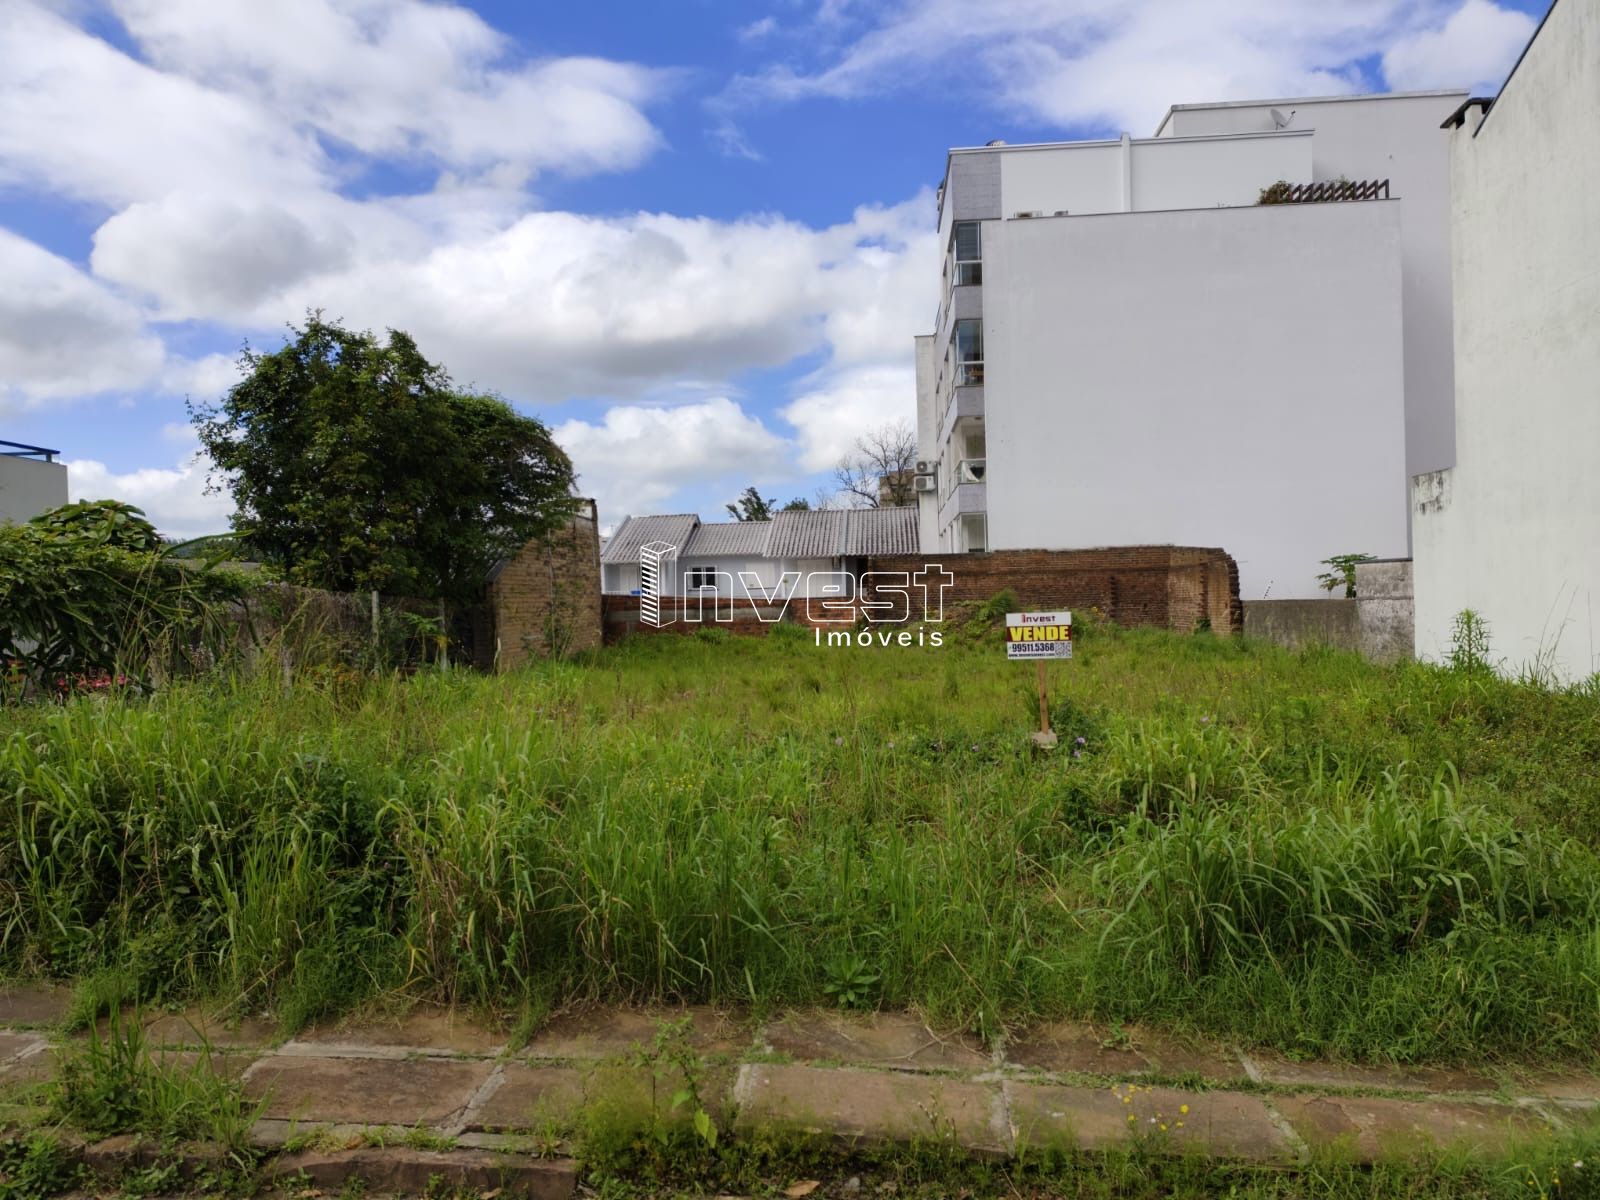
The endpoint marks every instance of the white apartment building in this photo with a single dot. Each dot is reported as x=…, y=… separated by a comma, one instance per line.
x=1512, y=531
x=1131, y=349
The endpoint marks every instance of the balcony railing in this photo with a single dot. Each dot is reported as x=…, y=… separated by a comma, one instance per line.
x=970, y=470
x=969, y=374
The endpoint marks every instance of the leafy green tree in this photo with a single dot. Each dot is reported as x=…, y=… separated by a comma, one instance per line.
x=356, y=465
x=750, y=506
x=1342, y=574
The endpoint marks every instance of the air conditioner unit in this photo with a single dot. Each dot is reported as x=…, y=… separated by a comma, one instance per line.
x=925, y=483
x=924, y=467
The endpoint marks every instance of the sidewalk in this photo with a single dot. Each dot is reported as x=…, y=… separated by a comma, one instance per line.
x=483, y=1114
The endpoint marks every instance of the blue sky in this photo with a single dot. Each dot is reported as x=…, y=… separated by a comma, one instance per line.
x=694, y=237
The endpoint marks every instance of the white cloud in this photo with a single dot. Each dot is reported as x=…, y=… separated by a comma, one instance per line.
x=1119, y=63
x=831, y=416
x=637, y=457
x=1475, y=47
x=402, y=78
x=86, y=120
x=62, y=333
x=203, y=379
x=549, y=304
x=173, y=498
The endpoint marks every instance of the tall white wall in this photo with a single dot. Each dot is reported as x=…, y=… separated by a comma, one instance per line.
x=1395, y=138
x=30, y=486
x=1225, y=377
x=1513, y=532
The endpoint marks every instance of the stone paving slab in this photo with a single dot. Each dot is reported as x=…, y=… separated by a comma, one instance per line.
x=33, y=1004
x=15, y=1045
x=1371, y=1127
x=526, y=1098
x=1399, y=1079
x=30, y=1068
x=1224, y=1124
x=1571, y=1088
x=221, y=1063
x=424, y=1029
x=398, y=1169
x=898, y=1040
x=196, y=1027
x=619, y=1032
x=872, y=1106
x=366, y=1091
x=1081, y=1048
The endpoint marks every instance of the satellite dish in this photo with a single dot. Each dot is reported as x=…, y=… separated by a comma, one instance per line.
x=1280, y=121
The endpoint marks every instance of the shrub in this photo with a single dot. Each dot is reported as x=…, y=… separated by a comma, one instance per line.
x=85, y=602
x=995, y=608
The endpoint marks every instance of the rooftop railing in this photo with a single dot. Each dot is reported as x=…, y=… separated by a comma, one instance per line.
x=23, y=450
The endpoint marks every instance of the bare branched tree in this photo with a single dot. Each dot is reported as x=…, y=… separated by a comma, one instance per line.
x=878, y=472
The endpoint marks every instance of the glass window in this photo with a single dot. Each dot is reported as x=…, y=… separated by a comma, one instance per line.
x=969, y=241
x=969, y=340
x=968, y=252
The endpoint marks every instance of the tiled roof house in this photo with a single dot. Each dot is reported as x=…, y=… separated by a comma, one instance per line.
x=717, y=553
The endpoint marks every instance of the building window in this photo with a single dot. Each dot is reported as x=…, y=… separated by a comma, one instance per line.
x=968, y=343
x=701, y=577
x=968, y=252
x=975, y=533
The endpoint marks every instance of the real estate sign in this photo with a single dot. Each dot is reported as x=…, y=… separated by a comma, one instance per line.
x=1039, y=635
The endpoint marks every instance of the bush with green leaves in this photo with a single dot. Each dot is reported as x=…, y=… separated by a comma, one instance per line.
x=89, y=600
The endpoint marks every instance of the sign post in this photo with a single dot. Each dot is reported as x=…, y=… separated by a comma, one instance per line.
x=1040, y=636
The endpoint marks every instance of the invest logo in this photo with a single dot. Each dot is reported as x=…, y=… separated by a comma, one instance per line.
x=880, y=599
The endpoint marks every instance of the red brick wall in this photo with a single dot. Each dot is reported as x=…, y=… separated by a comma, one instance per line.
x=1171, y=587
x=546, y=600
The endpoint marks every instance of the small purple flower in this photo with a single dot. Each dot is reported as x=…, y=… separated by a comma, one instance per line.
x=838, y=741
x=1083, y=741
x=1077, y=754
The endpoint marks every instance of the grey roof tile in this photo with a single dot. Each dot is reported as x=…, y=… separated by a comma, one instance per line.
x=881, y=531
x=623, y=545
x=746, y=538
x=802, y=534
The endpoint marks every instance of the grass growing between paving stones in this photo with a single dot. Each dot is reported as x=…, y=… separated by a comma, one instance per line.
x=112, y=1084
x=1299, y=850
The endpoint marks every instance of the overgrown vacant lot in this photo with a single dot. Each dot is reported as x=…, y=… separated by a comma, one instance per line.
x=1302, y=851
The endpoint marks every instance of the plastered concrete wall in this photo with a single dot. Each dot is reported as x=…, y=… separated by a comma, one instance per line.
x=1513, y=532
x=1395, y=138
x=1384, y=610
x=1216, y=377
x=30, y=486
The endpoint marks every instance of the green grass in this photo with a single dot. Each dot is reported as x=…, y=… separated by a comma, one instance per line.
x=1299, y=850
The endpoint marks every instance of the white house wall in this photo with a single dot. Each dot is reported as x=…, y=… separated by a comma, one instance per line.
x=1211, y=171
x=1220, y=377
x=1513, y=532
x=1395, y=138
x=1145, y=174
